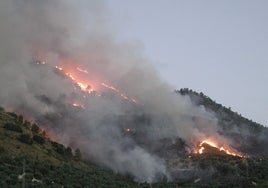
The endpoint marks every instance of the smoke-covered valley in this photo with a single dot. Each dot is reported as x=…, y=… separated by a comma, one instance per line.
x=136, y=138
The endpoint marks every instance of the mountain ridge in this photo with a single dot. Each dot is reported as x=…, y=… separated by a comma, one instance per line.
x=249, y=137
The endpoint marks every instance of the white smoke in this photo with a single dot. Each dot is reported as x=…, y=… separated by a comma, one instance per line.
x=56, y=30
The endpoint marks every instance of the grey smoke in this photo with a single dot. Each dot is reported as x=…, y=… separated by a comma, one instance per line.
x=59, y=30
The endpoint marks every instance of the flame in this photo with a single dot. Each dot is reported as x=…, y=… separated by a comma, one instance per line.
x=84, y=84
x=127, y=129
x=76, y=104
x=82, y=70
x=124, y=96
x=40, y=62
x=202, y=149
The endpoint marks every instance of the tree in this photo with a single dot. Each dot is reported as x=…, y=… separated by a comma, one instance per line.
x=25, y=138
x=39, y=139
x=20, y=119
x=44, y=134
x=13, y=127
x=59, y=148
x=69, y=152
x=26, y=124
x=35, y=128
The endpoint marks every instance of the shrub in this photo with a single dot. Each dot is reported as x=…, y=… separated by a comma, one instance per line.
x=26, y=124
x=69, y=152
x=12, y=114
x=2, y=150
x=13, y=127
x=35, y=128
x=25, y=138
x=59, y=148
x=20, y=119
x=39, y=139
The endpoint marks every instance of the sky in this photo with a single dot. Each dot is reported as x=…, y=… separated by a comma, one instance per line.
x=219, y=48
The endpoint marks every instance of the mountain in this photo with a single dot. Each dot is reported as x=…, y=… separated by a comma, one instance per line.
x=249, y=137
x=25, y=147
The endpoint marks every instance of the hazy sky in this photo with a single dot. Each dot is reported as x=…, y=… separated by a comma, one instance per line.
x=217, y=47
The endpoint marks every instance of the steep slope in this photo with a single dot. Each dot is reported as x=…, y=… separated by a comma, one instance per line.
x=246, y=135
x=23, y=147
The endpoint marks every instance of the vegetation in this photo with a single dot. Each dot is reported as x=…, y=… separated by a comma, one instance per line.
x=208, y=103
x=233, y=126
x=39, y=139
x=13, y=127
x=35, y=128
x=25, y=138
x=50, y=164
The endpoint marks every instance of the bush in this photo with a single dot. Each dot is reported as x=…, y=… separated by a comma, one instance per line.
x=1, y=109
x=59, y=148
x=20, y=119
x=25, y=138
x=69, y=152
x=2, y=150
x=39, y=139
x=35, y=128
x=12, y=114
x=26, y=124
x=13, y=127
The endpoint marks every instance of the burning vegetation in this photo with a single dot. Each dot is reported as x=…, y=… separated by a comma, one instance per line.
x=87, y=86
x=207, y=146
x=103, y=96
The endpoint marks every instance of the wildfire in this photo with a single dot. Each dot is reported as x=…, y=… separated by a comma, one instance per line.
x=75, y=104
x=124, y=96
x=40, y=62
x=82, y=70
x=86, y=85
x=128, y=130
x=202, y=148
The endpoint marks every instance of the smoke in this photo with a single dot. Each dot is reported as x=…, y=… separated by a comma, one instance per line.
x=123, y=136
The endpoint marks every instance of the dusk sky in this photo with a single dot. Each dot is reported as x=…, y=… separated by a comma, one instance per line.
x=219, y=48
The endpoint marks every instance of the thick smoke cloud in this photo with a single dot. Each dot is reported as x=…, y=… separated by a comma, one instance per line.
x=69, y=33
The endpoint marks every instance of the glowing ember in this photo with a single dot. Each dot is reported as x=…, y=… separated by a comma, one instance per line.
x=209, y=143
x=40, y=62
x=202, y=148
x=75, y=104
x=85, y=85
x=82, y=70
x=110, y=87
x=127, y=130
x=118, y=92
x=59, y=68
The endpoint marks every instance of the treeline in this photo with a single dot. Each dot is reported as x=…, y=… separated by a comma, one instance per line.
x=208, y=103
x=30, y=133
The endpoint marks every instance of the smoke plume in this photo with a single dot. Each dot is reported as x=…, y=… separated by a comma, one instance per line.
x=124, y=136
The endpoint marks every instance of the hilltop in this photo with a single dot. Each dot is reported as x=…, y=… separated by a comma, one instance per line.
x=249, y=137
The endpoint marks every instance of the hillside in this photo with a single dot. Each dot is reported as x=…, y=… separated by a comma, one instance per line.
x=26, y=145
x=249, y=137
x=22, y=144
